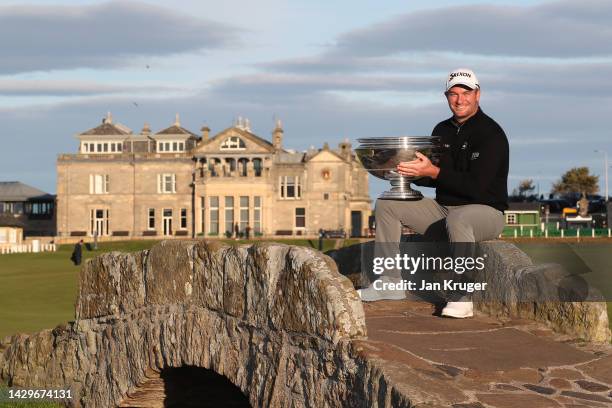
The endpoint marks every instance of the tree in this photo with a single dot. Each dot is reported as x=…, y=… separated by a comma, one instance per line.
x=525, y=186
x=577, y=180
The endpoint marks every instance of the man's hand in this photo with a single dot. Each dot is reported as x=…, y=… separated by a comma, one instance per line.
x=419, y=167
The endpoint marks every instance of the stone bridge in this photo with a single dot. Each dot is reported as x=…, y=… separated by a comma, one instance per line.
x=283, y=326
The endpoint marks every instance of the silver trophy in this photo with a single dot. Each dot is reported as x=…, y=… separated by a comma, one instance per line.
x=381, y=155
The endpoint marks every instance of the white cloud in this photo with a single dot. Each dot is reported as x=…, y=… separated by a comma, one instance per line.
x=40, y=38
x=562, y=29
x=33, y=87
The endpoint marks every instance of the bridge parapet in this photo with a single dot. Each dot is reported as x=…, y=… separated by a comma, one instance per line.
x=276, y=320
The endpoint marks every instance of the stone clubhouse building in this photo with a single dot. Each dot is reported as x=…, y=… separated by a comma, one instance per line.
x=174, y=183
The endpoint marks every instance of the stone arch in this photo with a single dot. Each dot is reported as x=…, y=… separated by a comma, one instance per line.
x=185, y=387
x=277, y=321
x=242, y=166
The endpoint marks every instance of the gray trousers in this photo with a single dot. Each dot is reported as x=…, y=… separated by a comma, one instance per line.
x=462, y=223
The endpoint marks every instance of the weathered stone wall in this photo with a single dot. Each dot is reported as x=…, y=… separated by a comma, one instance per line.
x=546, y=293
x=516, y=288
x=276, y=320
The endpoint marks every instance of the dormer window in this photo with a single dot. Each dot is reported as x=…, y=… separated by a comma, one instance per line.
x=171, y=147
x=102, y=147
x=233, y=143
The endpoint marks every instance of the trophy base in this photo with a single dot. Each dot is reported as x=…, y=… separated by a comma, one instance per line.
x=410, y=195
x=400, y=190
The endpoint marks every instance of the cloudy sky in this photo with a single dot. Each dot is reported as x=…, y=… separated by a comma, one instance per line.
x=329, y=69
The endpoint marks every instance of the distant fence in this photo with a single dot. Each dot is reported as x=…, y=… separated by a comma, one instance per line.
x=33, y=247
x=552, y=231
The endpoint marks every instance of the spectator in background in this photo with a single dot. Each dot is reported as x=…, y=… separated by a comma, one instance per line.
x=77, y=253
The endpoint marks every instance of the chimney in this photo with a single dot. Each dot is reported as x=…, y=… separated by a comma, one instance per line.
x=146, y=129
x=345, y=149
x=205, y=131
x=277, y=135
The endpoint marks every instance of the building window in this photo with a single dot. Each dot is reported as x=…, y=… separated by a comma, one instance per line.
x=244, y=213
x=98, y=183
x=231, y=164
x=258, y=167
x=257, y=215
x=326, y=196
x=300, y=218
x=183, y=218
x=12, y=207
x=233, y=143
x=99, y=221
x=167, y=221
x=202, y=214
x=511, y=218
x=166, y=183
x=173, y=146
x=151, y=224
x=290, y=187
x=229, y=215
x=214, y=216
x=37, y=209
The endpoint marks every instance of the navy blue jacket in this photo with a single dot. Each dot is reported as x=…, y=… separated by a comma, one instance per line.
x=473, y=163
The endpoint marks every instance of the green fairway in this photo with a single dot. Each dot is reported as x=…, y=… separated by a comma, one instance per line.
x=592, y=261
x=38, y=291
x=6, y=402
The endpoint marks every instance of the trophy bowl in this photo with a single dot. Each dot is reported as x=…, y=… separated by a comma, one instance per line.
x=381, y=155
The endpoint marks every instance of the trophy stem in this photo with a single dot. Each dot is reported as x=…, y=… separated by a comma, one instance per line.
x=400, y=189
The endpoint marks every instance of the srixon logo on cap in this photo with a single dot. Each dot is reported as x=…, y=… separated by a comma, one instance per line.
x=456, y=74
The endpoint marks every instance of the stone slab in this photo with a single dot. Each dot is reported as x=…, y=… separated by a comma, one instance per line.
x=412, y=323
x=503, y=349
x=517, y=400
x=600, y=370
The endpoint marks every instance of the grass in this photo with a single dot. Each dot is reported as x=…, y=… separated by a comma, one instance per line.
x=592, y=260
x=38, y=291
x=5, y=402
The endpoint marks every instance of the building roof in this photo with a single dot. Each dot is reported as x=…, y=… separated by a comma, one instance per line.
x=290, y=158
x=108, y=128
x=17, y=191
x=311, y=153
x=247, y=134
x=8, y=220
x=176, y=130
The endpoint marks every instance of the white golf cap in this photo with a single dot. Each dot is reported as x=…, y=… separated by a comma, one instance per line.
x=462, y=76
